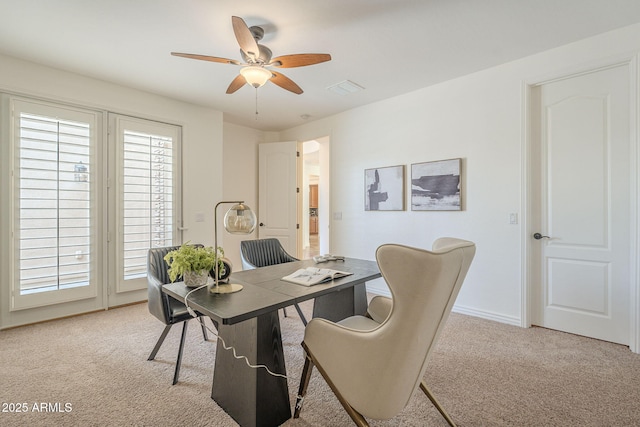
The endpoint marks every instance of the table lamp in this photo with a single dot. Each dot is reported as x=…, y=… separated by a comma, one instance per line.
x=239, y=219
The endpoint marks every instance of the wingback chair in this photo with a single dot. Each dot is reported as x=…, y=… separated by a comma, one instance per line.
x=263, y=252
x=374, y=363
x=167, y=309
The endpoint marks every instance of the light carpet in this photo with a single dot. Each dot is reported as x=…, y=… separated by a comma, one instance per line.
x=92, y=370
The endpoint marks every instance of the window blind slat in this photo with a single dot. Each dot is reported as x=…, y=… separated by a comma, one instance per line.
x=54, y=206
x=148, y=183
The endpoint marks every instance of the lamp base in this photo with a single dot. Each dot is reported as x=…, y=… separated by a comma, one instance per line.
x=226, y=288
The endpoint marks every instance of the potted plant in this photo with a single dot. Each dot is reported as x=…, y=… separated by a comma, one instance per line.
x=193, y=263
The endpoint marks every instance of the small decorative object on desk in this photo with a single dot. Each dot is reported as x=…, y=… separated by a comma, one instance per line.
x=193, y=263
x=312, y=276
x=225, y=268
x=194, y=279
x=327, y=257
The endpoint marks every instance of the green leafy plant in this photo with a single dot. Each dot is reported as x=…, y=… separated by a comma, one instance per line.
x=193, y=258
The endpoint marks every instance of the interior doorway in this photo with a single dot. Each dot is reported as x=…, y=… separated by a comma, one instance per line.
x=581, y=245
x=315, y=197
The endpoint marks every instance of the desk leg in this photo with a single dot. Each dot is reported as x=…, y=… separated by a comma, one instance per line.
x=252, y=397
x=342, y=304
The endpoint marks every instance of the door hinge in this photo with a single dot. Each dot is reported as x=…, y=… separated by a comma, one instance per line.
x=297, y=189
x=297, y=154
x=297, y=226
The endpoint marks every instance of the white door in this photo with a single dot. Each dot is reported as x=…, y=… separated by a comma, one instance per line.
x=583, y=200
x=278, y=193
x=145, y=200
x=55, y=209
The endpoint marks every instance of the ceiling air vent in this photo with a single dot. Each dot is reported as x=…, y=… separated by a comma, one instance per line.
x=345, y=88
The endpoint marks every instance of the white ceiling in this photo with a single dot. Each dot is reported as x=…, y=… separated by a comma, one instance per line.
x=389, y=47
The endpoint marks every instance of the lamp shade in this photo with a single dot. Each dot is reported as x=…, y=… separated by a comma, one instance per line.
x=240, y=219
x=256, y=76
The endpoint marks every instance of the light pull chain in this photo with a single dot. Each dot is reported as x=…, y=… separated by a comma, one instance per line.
x=256, y=103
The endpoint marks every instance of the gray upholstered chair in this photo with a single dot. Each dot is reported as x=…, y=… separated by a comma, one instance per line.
x=167, y=309
x=374, y=363
x=263, y=252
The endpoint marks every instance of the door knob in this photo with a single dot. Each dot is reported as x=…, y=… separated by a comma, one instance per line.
x=261, y=224
x=539, y=236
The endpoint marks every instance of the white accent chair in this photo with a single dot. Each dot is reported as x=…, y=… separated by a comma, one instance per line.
x=374, y=364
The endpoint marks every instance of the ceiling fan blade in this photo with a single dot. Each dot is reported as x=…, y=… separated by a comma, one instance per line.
x=236, y=84
x=245, y=39
x=300, y=60
x=285, y=83
x=206, y=58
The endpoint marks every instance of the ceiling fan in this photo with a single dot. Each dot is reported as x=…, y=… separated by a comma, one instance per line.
x=257, y=60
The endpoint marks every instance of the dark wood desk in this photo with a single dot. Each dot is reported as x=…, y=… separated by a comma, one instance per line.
x=248, y=320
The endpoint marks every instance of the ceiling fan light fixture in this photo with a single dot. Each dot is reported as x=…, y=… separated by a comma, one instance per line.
x=257, y=57
x=255, y=75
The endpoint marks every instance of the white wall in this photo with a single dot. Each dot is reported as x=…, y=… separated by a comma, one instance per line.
x=240, y=177
x=324, y=195
x=479, y=118
x=202, y=154
x=240, y=182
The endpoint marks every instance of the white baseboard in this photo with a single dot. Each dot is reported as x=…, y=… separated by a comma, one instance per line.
x=497, y=317
x=378, y=288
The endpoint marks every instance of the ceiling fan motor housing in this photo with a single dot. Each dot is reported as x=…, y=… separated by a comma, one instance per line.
x=263, y=58
x=257, y=32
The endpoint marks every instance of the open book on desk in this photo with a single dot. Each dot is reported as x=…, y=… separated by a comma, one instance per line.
x=312, y=276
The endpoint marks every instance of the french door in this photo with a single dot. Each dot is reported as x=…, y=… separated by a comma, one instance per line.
x=55, y=214
x=144, y=196
x=86, y=205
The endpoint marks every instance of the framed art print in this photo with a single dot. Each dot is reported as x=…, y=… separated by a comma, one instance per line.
x=384, y=189
x=435, y=186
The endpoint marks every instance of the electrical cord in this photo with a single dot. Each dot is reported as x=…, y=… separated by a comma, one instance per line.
x=224, y=344
x=189, y=309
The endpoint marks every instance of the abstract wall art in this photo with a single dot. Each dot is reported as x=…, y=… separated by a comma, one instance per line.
x=435, y=186
x=384, y=189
